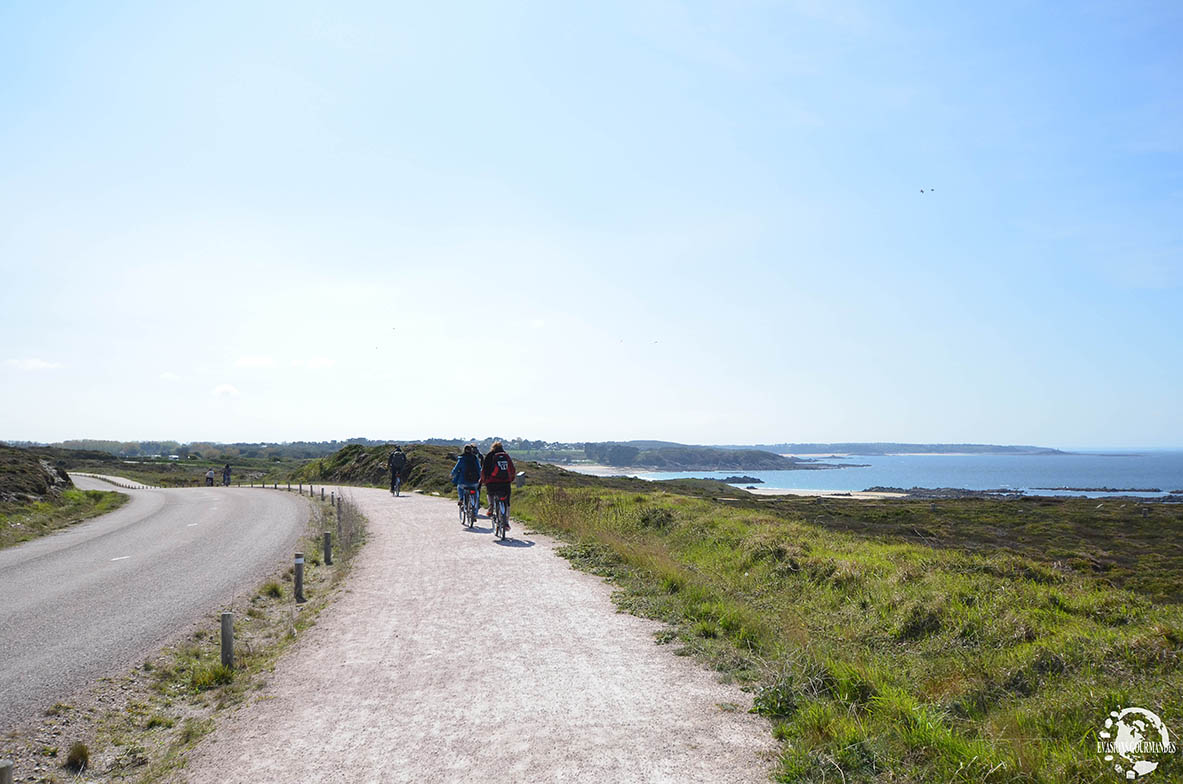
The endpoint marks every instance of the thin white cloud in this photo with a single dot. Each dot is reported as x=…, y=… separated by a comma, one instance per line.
x=537, y=324
x=32, y=363
x=256, y=362
x=314, y=363
x=226, y=392
x=169, y=376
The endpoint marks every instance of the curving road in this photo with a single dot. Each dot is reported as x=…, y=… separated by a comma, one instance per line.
x=95, y=598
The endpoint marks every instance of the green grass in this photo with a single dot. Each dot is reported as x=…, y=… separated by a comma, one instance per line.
x=880, y=653
x=22, y=522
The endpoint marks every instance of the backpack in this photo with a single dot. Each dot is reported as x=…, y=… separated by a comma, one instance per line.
x=470, y=469
x=397, y=461
x=502, y=470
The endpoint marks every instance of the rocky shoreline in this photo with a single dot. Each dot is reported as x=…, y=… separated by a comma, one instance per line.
x=1102, y=489
x=937, y=493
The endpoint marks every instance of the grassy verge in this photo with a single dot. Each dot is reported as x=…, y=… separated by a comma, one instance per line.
x=22, y=522
x=138, y=727
x=887, y=655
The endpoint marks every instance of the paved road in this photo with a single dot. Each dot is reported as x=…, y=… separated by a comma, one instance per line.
x=456, y=658
x=93, y=599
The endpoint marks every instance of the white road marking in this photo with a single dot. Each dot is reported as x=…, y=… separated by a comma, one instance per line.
x=121, y=558
x=191, y=525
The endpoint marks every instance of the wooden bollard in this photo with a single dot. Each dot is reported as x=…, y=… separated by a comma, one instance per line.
x=333, y=498
x=300, y=578
x=289, y=487
x=322, y=494
x=328, y=548
x=228, y=640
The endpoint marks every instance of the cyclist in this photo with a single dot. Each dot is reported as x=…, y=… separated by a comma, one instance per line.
x=397, y=463
x=466, y=475
x=209, y=478
x=498, y=474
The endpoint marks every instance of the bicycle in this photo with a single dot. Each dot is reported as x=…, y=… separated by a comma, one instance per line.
x=468, y=508
x=500, y=517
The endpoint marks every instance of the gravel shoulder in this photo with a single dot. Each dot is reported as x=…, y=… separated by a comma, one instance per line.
x=453, y=657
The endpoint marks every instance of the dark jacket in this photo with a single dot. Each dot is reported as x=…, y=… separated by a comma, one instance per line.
x=491, y=461
x=396, y=462
x=462, y=467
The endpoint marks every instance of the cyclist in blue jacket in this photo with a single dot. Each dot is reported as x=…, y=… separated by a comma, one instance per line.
x=466, y=474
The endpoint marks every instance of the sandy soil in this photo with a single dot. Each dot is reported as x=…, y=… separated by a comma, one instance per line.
x=455, y=658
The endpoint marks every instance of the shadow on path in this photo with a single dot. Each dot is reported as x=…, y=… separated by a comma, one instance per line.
x=511, y=542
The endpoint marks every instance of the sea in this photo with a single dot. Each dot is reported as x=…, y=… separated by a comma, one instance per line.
x=1148, y=474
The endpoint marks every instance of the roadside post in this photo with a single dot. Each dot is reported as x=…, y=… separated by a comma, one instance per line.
x=328, y=548
x=289, y=487
x=1146, y=511
x=521, y=479
x=322, y=494
x=5, y=771
x=300, y=578
x=228, y=640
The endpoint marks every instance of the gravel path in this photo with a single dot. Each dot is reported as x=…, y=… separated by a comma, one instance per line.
x=452, y=657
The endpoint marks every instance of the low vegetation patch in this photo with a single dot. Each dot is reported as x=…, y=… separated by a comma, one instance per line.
x=883, y=654
x=22, y=522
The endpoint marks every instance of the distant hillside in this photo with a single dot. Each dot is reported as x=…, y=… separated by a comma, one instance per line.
x=687, y=458
x=25, y=477
x=893, y=448
x=429, y=467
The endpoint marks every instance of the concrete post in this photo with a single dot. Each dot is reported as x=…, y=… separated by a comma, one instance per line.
x=520, y=480
x=328, y=548
x=932, y=507
x=300, y=578
x=228, y=640
x=1146, y=511
x=5, y=771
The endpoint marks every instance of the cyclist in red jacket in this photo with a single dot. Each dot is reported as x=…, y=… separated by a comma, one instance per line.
x=498, y=473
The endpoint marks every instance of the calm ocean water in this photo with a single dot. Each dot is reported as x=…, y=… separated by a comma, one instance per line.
x=1149, y=469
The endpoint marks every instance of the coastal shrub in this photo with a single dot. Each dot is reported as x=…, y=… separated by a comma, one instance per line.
x=78, y=758
x=655, y=517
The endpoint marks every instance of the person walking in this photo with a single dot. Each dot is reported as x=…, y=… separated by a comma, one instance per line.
x=497, y=474
x=226, y=476
x=397, y=463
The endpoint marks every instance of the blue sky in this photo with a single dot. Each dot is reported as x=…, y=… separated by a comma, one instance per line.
x=693, y=221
